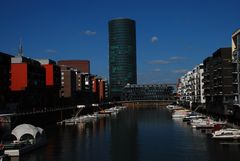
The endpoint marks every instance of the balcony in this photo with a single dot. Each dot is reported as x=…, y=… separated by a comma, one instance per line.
x=219, y=85
x=234, y=71
x=235, y=92
x=219, y=67
x=206, y=88
x=235, y=82
x=206, y=80
x=206, y=74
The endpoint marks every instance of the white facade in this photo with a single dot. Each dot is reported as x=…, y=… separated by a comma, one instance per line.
x=199, y=84
x=190, y=88
x=184, y=88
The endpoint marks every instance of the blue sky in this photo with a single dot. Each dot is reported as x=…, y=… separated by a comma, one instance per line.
x=172, y=35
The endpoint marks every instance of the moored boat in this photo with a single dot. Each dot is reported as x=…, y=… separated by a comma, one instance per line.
x=180, y=114
x=202, y=123
x=174, y=107
x=26, y=138
x=207, y=124
x=193, y=116
x=228, y=133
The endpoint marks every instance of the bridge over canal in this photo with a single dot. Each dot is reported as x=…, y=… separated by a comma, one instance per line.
x=146, y=103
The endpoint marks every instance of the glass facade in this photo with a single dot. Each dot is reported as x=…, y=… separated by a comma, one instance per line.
x=147, y=92
x=122, y=55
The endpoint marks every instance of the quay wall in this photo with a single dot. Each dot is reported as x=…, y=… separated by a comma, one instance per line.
x=41, y=118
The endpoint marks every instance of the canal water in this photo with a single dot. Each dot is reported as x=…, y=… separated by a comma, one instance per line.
x=133, y=135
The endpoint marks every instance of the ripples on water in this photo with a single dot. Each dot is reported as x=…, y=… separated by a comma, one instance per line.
x=134, y=135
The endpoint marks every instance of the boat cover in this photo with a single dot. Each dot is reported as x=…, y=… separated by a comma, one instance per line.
x=23, y=129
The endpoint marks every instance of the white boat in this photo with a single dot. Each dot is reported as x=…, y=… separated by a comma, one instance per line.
x=27, y=138
x=121, y=107
x=174, y=107
x=202, y=123
x=179, y=114
x=193, y=116
x=93, y=117
x=206, y=123
x=228, y=133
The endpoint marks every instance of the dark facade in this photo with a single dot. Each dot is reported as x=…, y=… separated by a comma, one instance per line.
x=53, y=82
x=98, y=89
x=236, y=73
x=122, y=55
x=147, y=92
x=81, y=65
x=28, y=84
x=68, y=82
x=5, y=66
x=218, y=81
x=86, y=88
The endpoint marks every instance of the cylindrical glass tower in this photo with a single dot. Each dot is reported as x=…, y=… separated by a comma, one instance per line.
x=122, y=55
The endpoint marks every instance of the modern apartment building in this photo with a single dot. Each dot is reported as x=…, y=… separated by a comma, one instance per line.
x=236, y=65
x=26, y=73
x=5, y=67
x=122, y=55
x=185, y=89
x=236, y=73
x=218, y=81
x=190, y=88
x=52, y=82
x=28, y=82
x=197, y=86
x=53, y=73
x=98, y=88
x=68, y=82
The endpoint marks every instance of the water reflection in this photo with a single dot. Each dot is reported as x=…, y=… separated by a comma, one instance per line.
x=4, y=129
x=133, y=135
x=124, y=137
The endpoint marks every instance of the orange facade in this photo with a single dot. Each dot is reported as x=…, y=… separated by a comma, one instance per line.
x=94, y=85
x=19, y=79
x=98, y=88
x=49, y=74
x=101, y=90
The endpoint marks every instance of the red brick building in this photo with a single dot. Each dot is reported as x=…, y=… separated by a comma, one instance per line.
x=81, y=65
x=102, y=91
x=68, y=82
x=98, y=88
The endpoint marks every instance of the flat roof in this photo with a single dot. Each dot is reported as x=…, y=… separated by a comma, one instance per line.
x=236, y=32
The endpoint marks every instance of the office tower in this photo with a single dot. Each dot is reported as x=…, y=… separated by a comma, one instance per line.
x=122, y=55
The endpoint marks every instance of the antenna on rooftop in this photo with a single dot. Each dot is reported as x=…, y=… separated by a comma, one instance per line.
x=20, y=48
